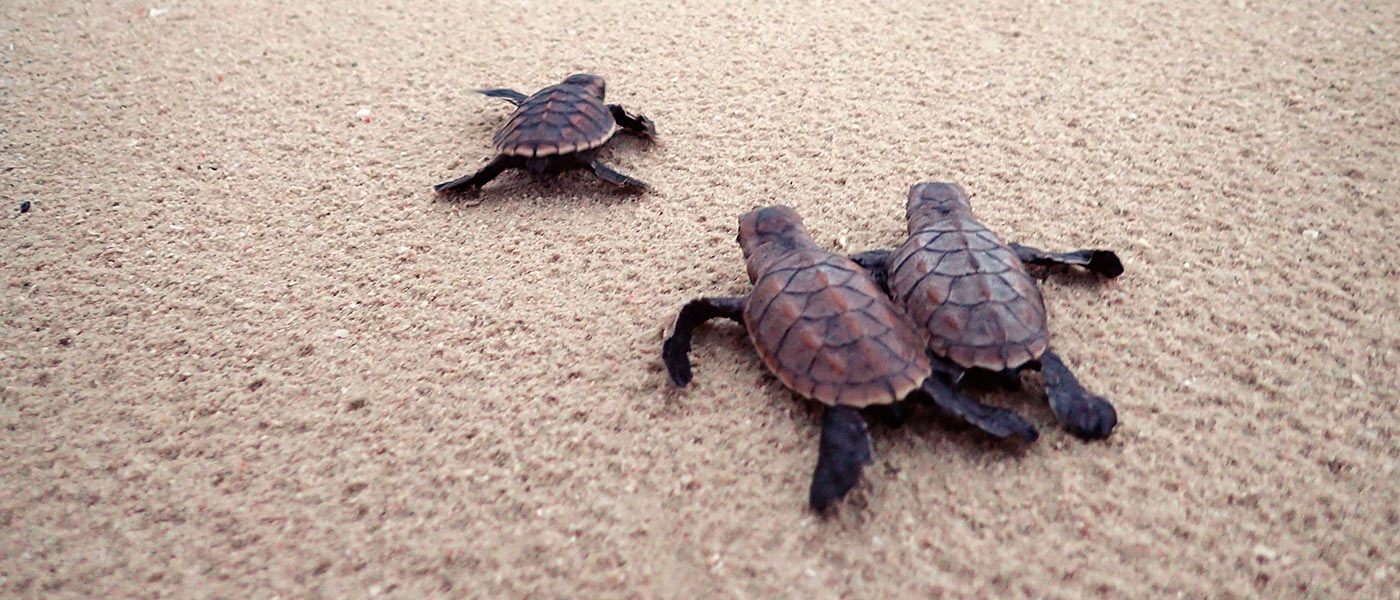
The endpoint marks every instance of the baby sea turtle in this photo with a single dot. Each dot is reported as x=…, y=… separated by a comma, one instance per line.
x=556, y=129
x=982, y=310
x=829, y=333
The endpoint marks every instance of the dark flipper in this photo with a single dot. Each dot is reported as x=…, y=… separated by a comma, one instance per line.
x=877, y=263
x=632, y=122
x=473, y=182
x=510, y=96
x=844, y=452
x=997, y=422
x=615, y=178
x=675, y=351
x=1103, y=262
x=1085, y=415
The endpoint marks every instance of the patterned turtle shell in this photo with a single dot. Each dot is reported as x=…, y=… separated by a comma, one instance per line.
x=561, y=119
x=965, y=285
x=820, y=323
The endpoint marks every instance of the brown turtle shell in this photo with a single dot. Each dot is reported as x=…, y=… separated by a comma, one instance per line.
x=973, y=295
x=823, y=326
x=560, y=119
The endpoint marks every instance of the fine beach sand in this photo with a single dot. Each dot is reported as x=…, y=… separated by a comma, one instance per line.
x=245, y=352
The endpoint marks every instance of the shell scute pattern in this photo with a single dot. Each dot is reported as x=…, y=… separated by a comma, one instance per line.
x=983, y=309
x=832, y=335
x=559, y=119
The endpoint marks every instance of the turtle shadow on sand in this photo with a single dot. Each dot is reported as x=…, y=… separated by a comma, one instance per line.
x=574, y=185
x=636, y=143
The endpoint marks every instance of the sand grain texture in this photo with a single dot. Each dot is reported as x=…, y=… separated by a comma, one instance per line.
x=247, y=354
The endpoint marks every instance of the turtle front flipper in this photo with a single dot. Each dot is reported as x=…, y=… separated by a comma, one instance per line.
x=675, y=351
x=1000, y=423
x=473, y=182
x=632, y=122
x=617, y=179
x=875, y=262
x=1084, y=414
x=842, y=455
x=1102, y=262
x=508, y=95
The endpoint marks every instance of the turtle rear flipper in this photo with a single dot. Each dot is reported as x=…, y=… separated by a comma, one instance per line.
x=842, y=455
x=473, y=182
x=941, y=389
x=1102, y=262
x=1000, y=423
x=617, y=179
x=508, y=95
x=1084, y=414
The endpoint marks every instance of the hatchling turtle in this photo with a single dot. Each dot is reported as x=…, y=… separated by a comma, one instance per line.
x=556, y=129
x=829, y=333
x=982, y=310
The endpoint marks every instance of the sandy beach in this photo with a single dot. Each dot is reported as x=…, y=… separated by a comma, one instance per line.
x=246, y=352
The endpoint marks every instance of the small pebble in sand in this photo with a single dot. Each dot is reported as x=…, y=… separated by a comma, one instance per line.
x=158, y=12
x=340, y=333
x=363, y=114
x=24, y=207
x=1264, y=553
x=1311, y=234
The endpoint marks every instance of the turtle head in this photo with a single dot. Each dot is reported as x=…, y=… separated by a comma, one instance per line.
x=932, y=201
x=594, y=83
x=768, y=233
